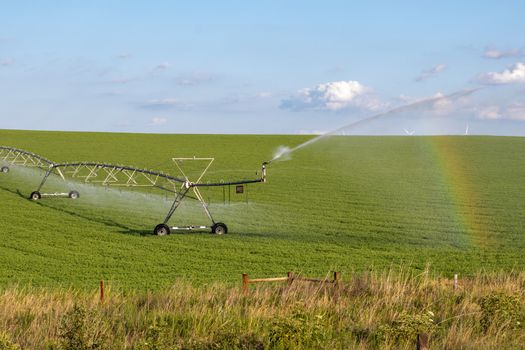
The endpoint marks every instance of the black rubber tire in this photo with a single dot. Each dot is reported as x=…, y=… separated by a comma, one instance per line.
x=162, y=230
x=35, y=196
x=74, y=195
x=5, y=169
x=219, y=228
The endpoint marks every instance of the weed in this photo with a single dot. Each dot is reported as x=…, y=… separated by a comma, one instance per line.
x=406, y=327
x=156, y=338
x=305, y=316
x=503, y=310
x=6, y=343
x=79, y=330
x=298, y=330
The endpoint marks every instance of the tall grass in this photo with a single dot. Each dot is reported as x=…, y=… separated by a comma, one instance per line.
x=367, y=311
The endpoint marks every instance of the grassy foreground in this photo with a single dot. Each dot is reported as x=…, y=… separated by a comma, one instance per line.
x=373, y=310
x=345, y=204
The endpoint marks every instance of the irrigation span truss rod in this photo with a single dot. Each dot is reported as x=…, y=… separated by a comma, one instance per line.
x=20, y=157
x=108, y=174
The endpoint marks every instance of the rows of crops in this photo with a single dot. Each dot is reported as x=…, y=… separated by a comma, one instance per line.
x=345, y=203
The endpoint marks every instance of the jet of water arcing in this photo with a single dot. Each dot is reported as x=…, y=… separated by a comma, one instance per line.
x=284, y=151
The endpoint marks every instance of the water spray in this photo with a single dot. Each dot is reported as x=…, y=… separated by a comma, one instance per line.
x=20, y=157
x=111, y=175
x=283, y=151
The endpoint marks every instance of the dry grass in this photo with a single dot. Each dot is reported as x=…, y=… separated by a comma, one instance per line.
x=373, y=310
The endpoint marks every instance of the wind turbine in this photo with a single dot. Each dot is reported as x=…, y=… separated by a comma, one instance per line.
x=466, y=131
x=409, y=132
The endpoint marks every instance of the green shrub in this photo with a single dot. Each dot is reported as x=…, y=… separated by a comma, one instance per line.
x=80, y=331
x=297, y=331
x=156, y=338
x=233, y=341
x=159, y=337
x=406, y=327
x=501, y=309
x=6, y=343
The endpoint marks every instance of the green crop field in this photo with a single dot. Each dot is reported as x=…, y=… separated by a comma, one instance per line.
x=344, y=203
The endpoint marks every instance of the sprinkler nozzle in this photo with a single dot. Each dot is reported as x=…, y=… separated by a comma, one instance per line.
x=263, y=177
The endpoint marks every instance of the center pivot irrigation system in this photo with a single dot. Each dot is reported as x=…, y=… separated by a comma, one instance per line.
x=126, y=176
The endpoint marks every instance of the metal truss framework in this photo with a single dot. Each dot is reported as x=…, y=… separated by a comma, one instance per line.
x=217, y=227
x=114, y=175
x=190, y=185
x=19, y=157
x=126, y=176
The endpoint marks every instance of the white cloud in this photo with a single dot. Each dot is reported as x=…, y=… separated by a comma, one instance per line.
x=124, y=55
x=194, y=78
x=120, y=81
x=113, y=93
x=514, y=111
x=438, y=100
x=264, y=94
x=427, y=73
x=440, y=104
x=485, y=105
x=6, y=62
x=489, y=112
x=165, y=103
x=333, y=96
x=161, y=66
x=311, y=132
x=158, y=121
x=514, y=74
x=497, y=54
x=479, y=103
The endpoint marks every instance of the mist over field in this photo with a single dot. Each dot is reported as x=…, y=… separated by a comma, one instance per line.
x=348, y=203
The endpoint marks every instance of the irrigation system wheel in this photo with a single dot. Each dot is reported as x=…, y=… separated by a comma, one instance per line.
x=5, y=169
x=161, y=230
x=35, y=196
x=74, y=195
x=219, y=228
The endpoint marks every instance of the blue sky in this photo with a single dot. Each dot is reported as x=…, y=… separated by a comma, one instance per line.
x=260, y=67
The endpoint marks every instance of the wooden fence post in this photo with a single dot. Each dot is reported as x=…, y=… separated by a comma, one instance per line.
x=337, y=276
x=101, y=290
x=245, y=281
x=422, y=341
x=456, y=281
x=290, y=278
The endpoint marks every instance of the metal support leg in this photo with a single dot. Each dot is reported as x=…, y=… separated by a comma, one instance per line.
x=204, y=205
x=178, y=199
x=48, y=172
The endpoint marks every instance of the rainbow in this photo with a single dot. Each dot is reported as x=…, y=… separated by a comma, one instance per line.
x=453, y=168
